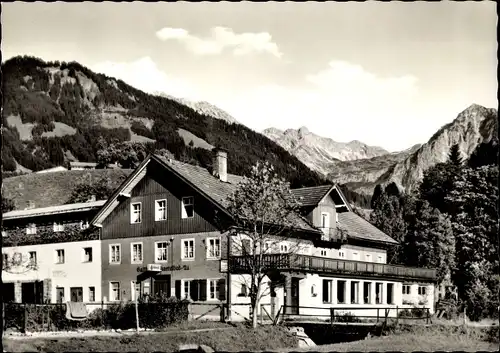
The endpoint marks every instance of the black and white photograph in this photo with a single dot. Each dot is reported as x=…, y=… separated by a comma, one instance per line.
x=250, y=176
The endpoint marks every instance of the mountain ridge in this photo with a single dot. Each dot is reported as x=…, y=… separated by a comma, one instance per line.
x=46, y=96
x=318, y=152
x=472, y=126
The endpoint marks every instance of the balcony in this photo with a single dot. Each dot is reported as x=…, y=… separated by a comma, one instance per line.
x=312, y=264
x=333, y=234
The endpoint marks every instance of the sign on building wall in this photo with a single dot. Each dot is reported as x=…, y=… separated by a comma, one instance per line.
x=163, y=268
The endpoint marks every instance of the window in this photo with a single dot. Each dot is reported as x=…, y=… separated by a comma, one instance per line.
x=268, y=246
x=31, y=229
x=84, y=225
x=367, y=295
x=325, y=220
x=378, y=293
x=390, y=293
x=368, y=257
x=246, y=246
x=406, y=289
x=58, y=227
x=60, y=256
x=213, y=248
x=135, y=290
x=355, y=256
x=87, y=254
x=341, y=286
x=243, y=290
x=135, y=212
x=114, y=253
x=283, y=248
x=186, y=286
x=91, y=294
x=161, y=251
x=5, y=260
x=354, y=292
x=422, y=290
x=161, y=210
x=187, y=207
x=380, y=259
x=188, y=249
x=114, y=291
x=327, y=290
x=136, y=253
x=213, y=289
x=323, y=252
x=342, y=254
x=32, y=255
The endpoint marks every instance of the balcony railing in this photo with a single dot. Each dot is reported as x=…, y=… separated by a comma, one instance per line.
x=304, y=263
x=333, y=234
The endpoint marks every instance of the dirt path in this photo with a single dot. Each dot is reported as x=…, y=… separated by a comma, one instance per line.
x=77, y=334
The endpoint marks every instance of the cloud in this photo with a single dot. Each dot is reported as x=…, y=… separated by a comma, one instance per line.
x=343, y=101
x=146, y=76
x=222, y=38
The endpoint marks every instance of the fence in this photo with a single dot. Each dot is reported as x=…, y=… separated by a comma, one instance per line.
x=53, y=317
x=352, y=314
x=102, y=316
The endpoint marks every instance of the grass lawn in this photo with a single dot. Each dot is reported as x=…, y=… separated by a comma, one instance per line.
x=239, y=338
x=426, y=339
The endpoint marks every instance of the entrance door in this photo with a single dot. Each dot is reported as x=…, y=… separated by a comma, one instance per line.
x=295, y=296
x=60, y=294
x=76, y=294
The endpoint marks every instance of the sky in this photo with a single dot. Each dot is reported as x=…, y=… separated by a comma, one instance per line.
x=388, y=74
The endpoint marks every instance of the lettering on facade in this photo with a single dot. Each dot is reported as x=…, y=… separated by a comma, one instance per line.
x=58, y=274
x=166, y=268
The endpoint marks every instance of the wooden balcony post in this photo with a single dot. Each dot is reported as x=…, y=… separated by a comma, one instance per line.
x=377, y=314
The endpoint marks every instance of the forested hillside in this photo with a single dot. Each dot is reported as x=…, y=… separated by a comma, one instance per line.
x=55, y=112
x=450, y=222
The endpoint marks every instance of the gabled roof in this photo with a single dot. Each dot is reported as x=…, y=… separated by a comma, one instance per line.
x=43, y=211
x=311, y=196
x=357, y=227
x=199, y=178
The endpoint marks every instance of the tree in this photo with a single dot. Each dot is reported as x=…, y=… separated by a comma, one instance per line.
x=7, y=205
x=454, y=157
x=388, y=216
x=475, y=225
x=430, y=242
x=261, y=205
x=84, y=191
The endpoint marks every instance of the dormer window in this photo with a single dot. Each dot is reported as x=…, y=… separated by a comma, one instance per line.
x=31, y=229
x=58, y=227
x=187, y=207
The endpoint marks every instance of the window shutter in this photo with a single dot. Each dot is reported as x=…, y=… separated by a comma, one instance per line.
x=178, y=289
x=203, y=289
x=194, y=290
x=221, y=286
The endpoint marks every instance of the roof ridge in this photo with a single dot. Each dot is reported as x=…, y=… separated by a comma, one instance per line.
x=313, y=187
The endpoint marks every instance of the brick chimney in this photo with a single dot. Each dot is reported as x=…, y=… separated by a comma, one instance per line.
x=219, y=165
x=92, y=198
x=30, y=204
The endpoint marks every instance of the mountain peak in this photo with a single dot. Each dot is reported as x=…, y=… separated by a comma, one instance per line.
x=303, y=130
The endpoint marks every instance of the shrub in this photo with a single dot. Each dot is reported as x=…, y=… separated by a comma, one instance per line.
x=347, y=317
x=154, y=313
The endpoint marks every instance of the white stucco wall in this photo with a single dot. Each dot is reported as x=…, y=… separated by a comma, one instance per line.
x=74, y=272
x=240, y=312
